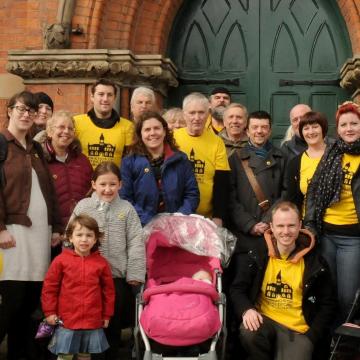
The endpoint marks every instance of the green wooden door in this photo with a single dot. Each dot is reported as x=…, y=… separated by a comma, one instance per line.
x=271, y=54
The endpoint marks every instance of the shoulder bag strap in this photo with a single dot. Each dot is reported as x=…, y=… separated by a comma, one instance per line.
x=260, y=196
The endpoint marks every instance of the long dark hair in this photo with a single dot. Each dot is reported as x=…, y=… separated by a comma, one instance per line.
x=138, y=147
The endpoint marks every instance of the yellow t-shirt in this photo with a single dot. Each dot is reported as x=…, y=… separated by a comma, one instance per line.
x=209, y=125
x=282, y=293
x=207, y=154
x=103, y=144
x=344, y=212
x=307, y=169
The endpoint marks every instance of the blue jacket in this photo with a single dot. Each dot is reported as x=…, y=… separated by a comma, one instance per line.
x=179, y=185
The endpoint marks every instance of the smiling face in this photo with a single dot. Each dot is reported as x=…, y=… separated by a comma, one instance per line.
x=313, y=134
x=83, y=240
x=106, y=186
x=259, y=131
x=349, y=127
x=43, y=115
x=103, y=100
x=62, y=132
x=21, y=118
x=153, y=135
x=285, y=226
x=235, y=122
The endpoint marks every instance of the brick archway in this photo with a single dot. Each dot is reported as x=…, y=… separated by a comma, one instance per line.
x=350, y=9
x=140, y=26
x=143, y=26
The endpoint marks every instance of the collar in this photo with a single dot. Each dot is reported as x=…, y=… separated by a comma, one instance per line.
x=11, y=138
x=104, y=123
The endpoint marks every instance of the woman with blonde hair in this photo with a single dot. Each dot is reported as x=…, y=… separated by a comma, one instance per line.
x=70, y=168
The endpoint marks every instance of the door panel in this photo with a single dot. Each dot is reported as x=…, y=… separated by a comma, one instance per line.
x=224, y=44
x=251, y=46
x=307, y=43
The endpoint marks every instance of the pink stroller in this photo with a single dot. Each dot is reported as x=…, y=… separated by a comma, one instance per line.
x=177, y=310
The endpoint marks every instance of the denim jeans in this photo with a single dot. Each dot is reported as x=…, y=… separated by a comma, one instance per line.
x=343, y=256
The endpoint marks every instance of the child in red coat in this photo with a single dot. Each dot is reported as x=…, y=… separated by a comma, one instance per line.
x=79, y=290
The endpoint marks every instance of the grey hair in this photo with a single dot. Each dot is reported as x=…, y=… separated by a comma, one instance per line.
x=196, y=96
x=142, y=90
x=237, y=105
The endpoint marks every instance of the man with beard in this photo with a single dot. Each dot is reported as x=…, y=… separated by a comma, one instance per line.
x=219, y=99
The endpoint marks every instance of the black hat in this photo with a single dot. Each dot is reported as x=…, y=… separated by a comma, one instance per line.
x=220, y=90
x=43, y=98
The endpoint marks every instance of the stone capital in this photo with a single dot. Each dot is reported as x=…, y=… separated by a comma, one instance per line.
x=350, y=75
x=85, y=65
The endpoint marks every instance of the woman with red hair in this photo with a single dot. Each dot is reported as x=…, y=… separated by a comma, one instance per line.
x=333, y=205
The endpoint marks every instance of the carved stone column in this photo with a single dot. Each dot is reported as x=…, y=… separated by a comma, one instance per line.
x=57, y=36
x=350, y=77
x=86, y=65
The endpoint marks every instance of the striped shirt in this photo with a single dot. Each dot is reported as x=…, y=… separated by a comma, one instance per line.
x=123, y=243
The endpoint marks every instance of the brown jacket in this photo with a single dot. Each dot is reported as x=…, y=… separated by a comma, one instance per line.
x=15, y=196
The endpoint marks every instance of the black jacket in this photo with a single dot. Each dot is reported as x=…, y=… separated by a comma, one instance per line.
x=292, y=180
x=293, y=147
x=319, y=300
x=243, y=205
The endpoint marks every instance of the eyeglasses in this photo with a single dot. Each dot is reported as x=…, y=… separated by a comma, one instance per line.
x=63, y=128
x=23, y=109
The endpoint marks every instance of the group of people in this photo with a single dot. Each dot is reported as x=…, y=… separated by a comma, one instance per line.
x=87, y=184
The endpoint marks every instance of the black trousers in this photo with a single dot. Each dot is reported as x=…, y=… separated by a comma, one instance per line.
x=124, y=316
x=19, y=300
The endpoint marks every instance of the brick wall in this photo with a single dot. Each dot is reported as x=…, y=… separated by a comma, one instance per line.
x=142, y=26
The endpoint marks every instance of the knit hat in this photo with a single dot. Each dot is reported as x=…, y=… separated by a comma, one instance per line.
x=220, y=90
x=43, y=98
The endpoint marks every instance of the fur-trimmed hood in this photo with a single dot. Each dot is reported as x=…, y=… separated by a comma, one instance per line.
x=304, y=243
x=49, y=152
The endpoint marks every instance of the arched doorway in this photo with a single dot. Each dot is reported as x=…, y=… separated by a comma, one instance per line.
x=271, y=54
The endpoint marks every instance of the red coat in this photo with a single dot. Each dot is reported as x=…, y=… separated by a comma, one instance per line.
x=80, y=290
x=72, y=181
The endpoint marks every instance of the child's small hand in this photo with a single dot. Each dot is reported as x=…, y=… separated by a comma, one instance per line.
x=106, y=323
x=51, y=319
x=56, y=239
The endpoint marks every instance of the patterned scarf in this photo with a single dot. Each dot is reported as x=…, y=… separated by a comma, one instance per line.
x=326, y=184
